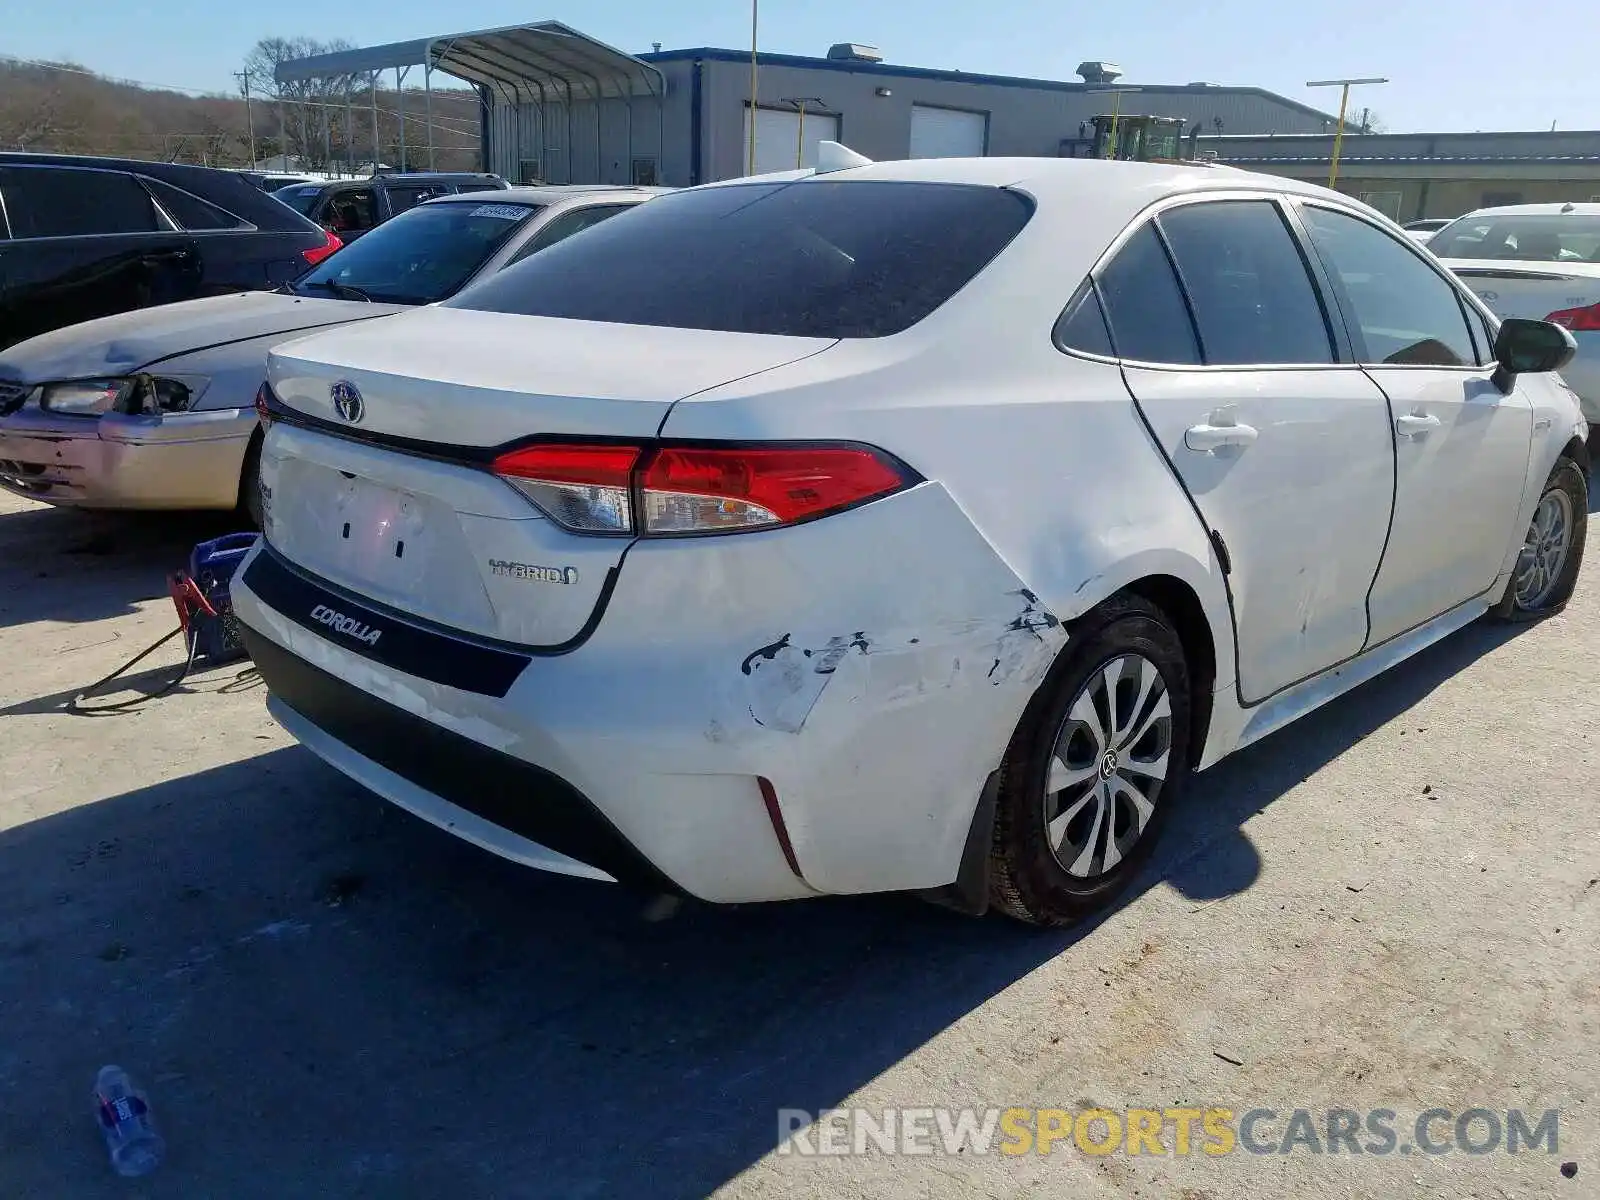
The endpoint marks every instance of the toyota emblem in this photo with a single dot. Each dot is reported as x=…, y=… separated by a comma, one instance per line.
x=347, y=401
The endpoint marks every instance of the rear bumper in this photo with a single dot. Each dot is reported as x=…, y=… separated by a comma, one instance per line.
x=387, y=748
x=188, y=460
x=762, y=717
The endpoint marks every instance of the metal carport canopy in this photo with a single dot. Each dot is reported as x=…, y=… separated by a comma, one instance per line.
x=537, y=63
x=539, y=55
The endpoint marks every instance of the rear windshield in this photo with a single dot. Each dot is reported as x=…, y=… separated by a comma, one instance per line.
x=421, y=256
x=815, y=258
x=1548, y=237
x=299, y=197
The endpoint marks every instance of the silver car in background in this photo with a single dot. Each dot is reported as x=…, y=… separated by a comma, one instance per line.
x=155, y=408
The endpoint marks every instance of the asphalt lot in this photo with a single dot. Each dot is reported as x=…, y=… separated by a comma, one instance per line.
x=1393, y=904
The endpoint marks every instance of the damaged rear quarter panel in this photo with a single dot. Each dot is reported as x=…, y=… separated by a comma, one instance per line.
x=873, y=666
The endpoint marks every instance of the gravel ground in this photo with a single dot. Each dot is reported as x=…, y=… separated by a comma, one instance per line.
x=1390, y=905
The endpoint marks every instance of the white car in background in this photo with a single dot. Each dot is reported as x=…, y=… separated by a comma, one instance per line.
x=903, y=526
x=1422, y=230
x=1540, y=261
x=155, y=408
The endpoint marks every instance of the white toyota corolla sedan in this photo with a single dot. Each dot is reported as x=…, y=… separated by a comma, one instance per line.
x=904, y=526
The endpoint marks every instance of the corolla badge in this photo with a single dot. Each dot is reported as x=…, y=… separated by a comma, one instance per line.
x=347, y=401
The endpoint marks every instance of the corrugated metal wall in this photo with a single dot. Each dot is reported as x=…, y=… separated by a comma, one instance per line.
x=584, y=142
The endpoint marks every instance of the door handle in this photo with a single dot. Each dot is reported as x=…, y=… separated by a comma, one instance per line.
x=160, y=258
x=1415, y=424
x=1207, y=439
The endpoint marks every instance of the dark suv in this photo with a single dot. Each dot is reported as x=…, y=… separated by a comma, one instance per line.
x=88, y=237
x=350, y=207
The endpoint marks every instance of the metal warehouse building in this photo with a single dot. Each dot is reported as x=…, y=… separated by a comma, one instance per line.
x=560, y=107
x=1411, y=175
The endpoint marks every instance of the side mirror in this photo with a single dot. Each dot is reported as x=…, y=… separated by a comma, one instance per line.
x=1524, y=347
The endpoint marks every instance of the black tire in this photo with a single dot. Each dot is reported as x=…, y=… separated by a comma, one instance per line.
x=250, y=482
x=1027, y=879
x=1566, y=478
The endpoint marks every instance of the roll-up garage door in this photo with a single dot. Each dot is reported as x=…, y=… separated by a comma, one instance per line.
x=778, y=138
x=947, y=132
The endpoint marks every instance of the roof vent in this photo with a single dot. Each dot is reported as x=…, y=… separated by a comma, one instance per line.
x=854, y=52
x=1099, y=72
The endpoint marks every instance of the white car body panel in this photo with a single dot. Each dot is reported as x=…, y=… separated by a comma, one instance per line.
x=1304, y=528
x=1477, y=457
x=817, y=708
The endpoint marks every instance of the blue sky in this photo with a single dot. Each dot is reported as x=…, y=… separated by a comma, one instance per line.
x=1451, y=68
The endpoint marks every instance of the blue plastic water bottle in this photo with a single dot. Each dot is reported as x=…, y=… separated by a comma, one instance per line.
x=125, y=1120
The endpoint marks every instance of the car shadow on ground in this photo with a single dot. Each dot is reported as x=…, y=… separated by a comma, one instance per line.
x=329, y=997
x=59, y=564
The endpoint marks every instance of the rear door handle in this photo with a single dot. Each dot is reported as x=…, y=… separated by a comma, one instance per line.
x=161, y=257
x=1207, y=439
x=1415, y=424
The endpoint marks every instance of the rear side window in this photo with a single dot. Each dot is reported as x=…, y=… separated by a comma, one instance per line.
x=190, y=211
x=568, y=223
x=1405, y=313
x=1252, y=296
x=301, y=199
x=814, y=258
x=1083, y=325
x=61, y=202
x=1144, y=305
x=403, y=198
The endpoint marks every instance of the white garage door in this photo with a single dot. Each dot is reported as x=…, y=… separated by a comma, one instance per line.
x=947, y=132
x=778, y=138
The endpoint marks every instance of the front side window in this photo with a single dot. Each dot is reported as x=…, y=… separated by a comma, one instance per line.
x=1144, y=305
x=810, y=258
x=1404, y=312
x=420, y=256
x=63, y=202
x=351, y=210
x=1252, y=296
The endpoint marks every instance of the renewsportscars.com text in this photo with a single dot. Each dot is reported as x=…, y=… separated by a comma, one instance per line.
x=1212, y=1131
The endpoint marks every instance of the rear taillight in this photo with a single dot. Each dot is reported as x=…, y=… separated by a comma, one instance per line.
x=583, y=488
x=1579, y=320
x=264, y=404
x=676, y=489
x=330, y=243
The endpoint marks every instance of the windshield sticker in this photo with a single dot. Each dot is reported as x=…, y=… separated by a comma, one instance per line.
x=506, y=212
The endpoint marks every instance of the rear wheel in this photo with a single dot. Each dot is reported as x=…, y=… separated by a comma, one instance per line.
x=1094, y=767
x=1552, y=549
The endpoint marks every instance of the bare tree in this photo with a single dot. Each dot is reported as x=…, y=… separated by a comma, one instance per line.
x=304, y=119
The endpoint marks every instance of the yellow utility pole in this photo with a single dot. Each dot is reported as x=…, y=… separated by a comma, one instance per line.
x=750, y=157
x=1344, y=86
x=817, y=104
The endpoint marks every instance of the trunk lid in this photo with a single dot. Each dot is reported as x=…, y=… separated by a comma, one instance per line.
x=400, y=506
x=1529, y=289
